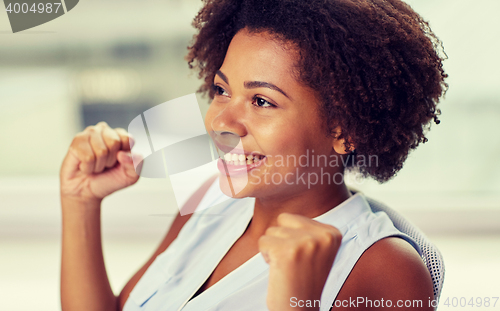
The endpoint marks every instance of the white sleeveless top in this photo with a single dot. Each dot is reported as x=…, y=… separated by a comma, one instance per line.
x=177, y=274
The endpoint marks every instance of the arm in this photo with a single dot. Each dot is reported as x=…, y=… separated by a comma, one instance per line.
x=391, y=270
x=301, y=251
x=172, y=233
x=97, y=164
x=84, y=282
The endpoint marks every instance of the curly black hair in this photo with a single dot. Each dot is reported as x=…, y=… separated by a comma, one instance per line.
x=375, y=64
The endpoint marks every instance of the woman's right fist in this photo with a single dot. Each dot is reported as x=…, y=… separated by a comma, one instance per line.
x=97, y=164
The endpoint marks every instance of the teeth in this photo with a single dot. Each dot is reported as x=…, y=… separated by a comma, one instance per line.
x=241, y=159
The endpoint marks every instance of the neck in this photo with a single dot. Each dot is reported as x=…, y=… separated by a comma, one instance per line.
x=309, y=203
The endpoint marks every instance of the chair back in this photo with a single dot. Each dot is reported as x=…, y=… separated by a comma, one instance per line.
x=430, y=254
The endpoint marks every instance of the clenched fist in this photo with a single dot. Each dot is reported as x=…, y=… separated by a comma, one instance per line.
x=97, y=164
x=300, y=253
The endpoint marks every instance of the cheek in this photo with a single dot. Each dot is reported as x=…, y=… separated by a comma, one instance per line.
x=294, y=139
x=284, y=139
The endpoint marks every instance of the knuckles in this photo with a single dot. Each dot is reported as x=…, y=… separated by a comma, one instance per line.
x=88, y=158
x=272, y=231
x=283, y=218
x=296, y=244
x=100, y=153
x=90, y=129
x=79, y=136
x=310, y=244
x=113, y=143
x=330, y=240
x=85, y=148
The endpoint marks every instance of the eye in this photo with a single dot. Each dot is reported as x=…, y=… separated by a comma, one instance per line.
x=262, y=103
x=219, y=91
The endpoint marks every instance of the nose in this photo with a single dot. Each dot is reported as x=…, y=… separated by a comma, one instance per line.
x=229, y=119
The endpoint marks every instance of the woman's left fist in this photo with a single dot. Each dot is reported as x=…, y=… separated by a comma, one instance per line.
x=300, y=252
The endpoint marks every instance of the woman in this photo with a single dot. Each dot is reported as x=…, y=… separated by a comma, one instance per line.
x=340, y=80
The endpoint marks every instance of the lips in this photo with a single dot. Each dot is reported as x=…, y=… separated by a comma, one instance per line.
x=234, y=160
x=238, y=162
x=237, y=156
x=242, y=158
x=230, y=169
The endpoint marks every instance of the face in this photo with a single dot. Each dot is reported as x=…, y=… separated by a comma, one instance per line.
x=265, y=123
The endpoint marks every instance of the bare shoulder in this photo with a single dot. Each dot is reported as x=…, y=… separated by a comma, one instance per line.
x=391, y=269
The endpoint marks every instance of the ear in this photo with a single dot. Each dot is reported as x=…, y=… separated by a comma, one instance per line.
x=338, y=144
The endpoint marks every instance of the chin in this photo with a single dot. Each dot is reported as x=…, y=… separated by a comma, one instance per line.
x=234, y=186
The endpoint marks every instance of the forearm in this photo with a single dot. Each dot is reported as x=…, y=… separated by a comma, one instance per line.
x=84, y=281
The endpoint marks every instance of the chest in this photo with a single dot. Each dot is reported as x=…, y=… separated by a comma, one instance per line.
x=242, y=250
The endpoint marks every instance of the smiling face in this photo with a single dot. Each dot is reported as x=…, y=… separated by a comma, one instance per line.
x=270, y=117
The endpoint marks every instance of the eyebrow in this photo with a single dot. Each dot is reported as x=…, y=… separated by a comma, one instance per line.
x=222, y=76
x=253, y=84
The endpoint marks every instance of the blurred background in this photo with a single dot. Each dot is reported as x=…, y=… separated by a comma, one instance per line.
x=111, y=60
